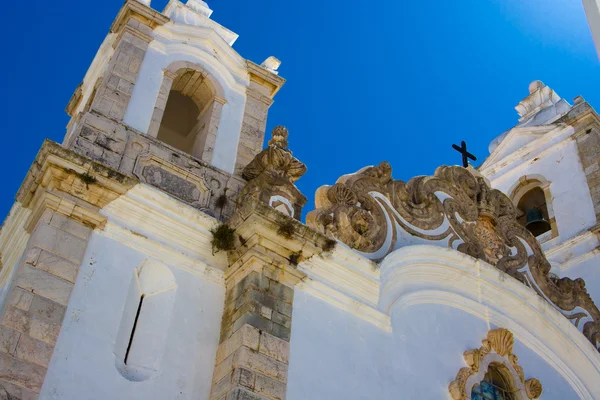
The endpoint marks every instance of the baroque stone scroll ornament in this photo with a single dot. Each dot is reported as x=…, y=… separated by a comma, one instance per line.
x=375, y=215
x=501, y=342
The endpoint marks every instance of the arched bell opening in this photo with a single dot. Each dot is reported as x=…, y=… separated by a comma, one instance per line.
x=533, y=212
x=534, y=209
x=187, y=112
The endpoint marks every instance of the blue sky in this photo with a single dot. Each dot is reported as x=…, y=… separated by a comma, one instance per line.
x=367, y=81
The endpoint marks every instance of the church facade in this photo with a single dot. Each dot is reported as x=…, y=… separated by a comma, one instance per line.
x=159, y=252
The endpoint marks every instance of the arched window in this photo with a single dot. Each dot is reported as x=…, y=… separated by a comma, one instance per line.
x=187, y=113
x=494, y=386
x=493, y=372
x=534, y=209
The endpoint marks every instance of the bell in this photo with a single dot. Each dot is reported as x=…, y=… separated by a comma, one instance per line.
x=536, y=224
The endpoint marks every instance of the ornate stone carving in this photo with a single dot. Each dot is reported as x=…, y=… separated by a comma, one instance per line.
x=534, y=388
x=375, y=214
x=271, y=176
x=499, y=341
x=190, y=188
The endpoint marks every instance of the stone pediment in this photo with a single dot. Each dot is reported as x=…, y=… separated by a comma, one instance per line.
x=375, y=215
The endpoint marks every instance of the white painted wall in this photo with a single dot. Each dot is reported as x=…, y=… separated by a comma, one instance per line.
x=83, y=364
x=335, y=355
x=441, y=303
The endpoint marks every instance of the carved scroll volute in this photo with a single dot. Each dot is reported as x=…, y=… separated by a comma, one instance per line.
x=369, y=211
x=271, y=176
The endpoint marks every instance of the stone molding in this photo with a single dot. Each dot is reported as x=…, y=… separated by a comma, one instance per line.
x=13, y=241
x=75, y=100
x=265, y=77
x=576, y=250
x=426, y=274
x=157, y=224
x=56, y=182
x=71, y=184
x=337, y=275
x=175, y=39
x=551, y=138
x=139, y=11
x=374, y=214
x=498, y=342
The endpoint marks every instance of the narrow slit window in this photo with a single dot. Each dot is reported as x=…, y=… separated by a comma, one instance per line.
x=135, y=322
x=143, y=333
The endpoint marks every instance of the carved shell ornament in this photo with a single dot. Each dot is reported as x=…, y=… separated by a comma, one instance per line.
x=499, y=341
x=375, y=215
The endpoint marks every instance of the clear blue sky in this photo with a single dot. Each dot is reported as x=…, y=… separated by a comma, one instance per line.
x=367, y=81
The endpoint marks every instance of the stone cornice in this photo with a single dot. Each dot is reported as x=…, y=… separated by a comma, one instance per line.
x=170, y=41
x=258, y=227
x=263, y=76
x=64, y=182
x=528, y=152
x=581, y=116
x=330, y=272
x=154, y=222
x=140, y=12
x=71, y=184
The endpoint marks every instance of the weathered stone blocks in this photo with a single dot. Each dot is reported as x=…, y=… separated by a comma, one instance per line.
x=253, y=357
x=35, y=307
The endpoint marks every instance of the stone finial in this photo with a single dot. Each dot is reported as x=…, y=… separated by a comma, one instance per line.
x=199, y=6
x=535, y=86
x=272, y=64
x=541, y=105
x=145, y=2
x=271, y=176
x=279, y=137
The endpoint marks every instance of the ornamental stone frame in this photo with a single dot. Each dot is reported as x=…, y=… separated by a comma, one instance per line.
x=496, y=349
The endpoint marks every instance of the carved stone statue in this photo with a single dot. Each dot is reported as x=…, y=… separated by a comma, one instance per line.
x=271, y=176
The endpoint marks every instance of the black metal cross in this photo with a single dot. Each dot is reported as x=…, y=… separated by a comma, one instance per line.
x=465, y=154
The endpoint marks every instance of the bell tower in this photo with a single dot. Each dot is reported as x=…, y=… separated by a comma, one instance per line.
x=169, y=101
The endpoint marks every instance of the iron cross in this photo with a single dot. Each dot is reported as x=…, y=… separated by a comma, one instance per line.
x=466, y=156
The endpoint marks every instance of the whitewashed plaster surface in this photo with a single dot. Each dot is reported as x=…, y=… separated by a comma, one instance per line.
x=83, y=364
x=335, y=355
x=441, y=303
